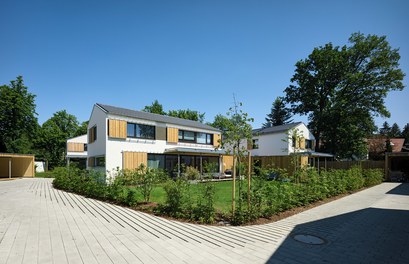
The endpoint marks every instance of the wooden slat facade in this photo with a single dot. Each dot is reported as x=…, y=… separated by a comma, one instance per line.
x=132, y=160
x=172, y=135
x=75, y=147
x=117, y=128
x=227, y=161
x=216, y=139
x=92, y=134
x=91, y=162
x=21, y=165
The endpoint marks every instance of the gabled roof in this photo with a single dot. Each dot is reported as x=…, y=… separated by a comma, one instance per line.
x=275, y=129
x=378, y=144
x=154, y=117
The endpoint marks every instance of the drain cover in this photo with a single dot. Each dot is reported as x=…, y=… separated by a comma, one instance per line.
x=309, y=239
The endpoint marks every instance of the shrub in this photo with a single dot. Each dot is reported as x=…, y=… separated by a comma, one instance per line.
x=204, y=211
x=177, y=200
x=191, y=173
x=373, y=176
x=146, y=178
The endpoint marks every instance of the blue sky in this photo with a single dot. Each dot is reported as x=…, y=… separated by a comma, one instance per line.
x=187, y=54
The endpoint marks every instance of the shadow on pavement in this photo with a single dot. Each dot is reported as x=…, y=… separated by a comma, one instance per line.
x=366, y=236
x=401, y=189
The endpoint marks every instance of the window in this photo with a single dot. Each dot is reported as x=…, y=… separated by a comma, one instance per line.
x=100, y=161
x=85, y=147
x=255, y=143
x=294, y=142
x=140, y=131
x=195, y=137
x=309, y=144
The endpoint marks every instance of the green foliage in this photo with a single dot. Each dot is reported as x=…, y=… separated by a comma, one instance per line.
x=82, y=129
x=341, y=88
x=187, y=114
x=146, y=178
x=395, y=131
x=18, y=122
x=204, y=211
x=385, y=130
x=279, y=114
x=191, y=173
x=155, y=108
x=178, y=203
x=221, y=122
x=405, y=133
x=373, y=177
x=53, y=135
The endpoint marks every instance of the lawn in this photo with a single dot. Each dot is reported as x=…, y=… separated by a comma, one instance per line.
x=222, y=197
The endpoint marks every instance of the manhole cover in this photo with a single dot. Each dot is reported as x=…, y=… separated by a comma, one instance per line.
x=309, y=239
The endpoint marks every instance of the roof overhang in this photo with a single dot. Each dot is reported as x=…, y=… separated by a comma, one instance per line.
x=316, y=154
x=195, y=151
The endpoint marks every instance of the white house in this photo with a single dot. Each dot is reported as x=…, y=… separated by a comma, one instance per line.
x=120, y=138
x=77, y=150
x=275, y=146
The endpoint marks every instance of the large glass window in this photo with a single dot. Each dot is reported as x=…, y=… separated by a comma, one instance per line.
x=156, y=161
x=195, y=137
x=140, y=131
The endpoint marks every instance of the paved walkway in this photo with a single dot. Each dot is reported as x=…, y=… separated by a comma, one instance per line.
x=39, y=224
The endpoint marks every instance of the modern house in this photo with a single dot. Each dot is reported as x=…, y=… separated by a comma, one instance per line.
x=77, y=151
x=120, y=138
x=278, y=146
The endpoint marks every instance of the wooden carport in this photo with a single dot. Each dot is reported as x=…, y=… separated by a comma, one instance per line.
x=16, y=165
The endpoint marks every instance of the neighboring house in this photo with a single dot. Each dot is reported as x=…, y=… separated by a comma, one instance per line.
x=279, y=146
x=77, y=151
x=377, y=146
x=120, y=138
x=396, y=156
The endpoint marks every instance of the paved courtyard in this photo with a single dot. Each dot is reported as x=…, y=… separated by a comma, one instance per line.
x=39, y=224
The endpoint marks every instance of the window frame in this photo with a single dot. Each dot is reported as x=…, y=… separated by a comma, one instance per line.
x=135, y=130
x=208, y=137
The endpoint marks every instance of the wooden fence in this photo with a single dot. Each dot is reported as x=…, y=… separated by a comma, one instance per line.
x=365, y=164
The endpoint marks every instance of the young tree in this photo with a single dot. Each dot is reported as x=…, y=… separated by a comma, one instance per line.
x=155, y=108
x=385, y=130
x=341, y=88
x=279, y=114
x=238, y=129
x=187, y=114
x=18, y=122
x=395, y=131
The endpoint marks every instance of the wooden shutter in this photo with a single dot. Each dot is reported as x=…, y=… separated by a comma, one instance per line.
x=216, y=139
x=91, y=162
x=227, y=161
x=132, y=160
x=173, y=135
x=302, y=143
x=90, y=135
x=116, y=128
x=75, y=147
x=249, y=144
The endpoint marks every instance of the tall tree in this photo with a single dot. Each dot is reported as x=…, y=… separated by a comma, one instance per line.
x=82, y=129
x=341, y=88
x=187, y=114
x=279, y=114
x=385, y=130
x=51, y=143
x=221, y=122
x=405, y=133
x=395, y=131
x=18, y=121
x=155, y=108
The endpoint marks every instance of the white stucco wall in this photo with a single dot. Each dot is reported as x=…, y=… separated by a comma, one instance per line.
x=115, y=147
x=98, y=118
x=279, y=144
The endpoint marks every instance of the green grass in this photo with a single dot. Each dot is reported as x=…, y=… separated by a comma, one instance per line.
x=47, y=174
x=222, y=197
